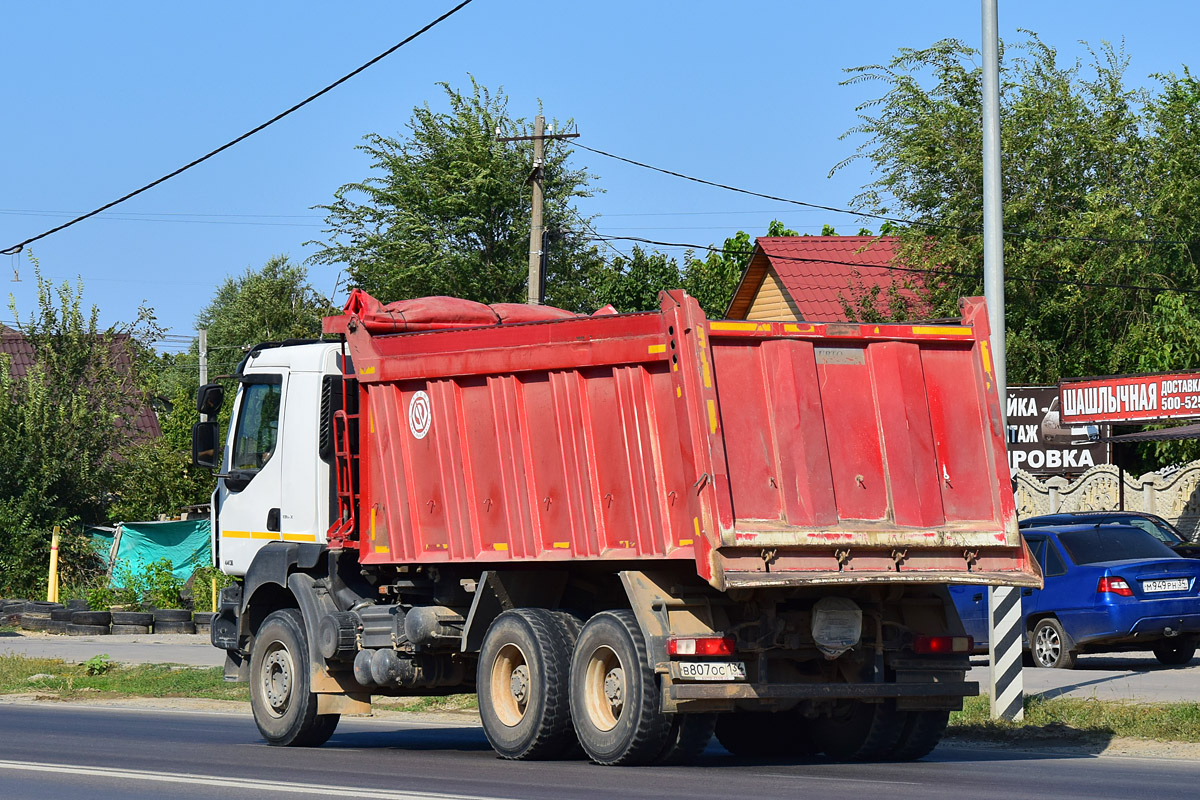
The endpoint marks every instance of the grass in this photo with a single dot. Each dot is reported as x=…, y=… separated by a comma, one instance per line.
x=1062, y=716
x=55, y=678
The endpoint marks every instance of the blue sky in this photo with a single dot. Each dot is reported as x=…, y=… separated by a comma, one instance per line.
x=98, y=99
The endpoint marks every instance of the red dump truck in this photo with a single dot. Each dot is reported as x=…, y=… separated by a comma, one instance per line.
x=623, y=532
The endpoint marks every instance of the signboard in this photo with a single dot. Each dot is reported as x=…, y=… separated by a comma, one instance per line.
x=1131, y=398
x=1040, y=443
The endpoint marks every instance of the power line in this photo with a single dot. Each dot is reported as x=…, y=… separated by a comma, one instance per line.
x=867, y=215
x=21, y=245
x=894, y=268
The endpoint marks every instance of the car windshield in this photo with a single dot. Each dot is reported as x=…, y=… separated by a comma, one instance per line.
x=1112, y=543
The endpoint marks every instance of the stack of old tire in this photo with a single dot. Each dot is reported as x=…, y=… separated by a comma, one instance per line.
x=41, y=615
x=173, y=620
x=89, y=623
x=126, y=622
x=10, y=611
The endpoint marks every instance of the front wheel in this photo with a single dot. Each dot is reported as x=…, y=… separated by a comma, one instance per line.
x=1174, y=652
x=1050, y=645
x=285, y=710
x=615, y=693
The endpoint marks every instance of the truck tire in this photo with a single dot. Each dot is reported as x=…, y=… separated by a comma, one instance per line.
x=284, y=708
x=522, y=675
x=1049, y=645
x=74, y=629
x=90, y=617
x=764, y=734
x=132, y=618
x=922, y=732
x=615, y=693
x=858, y=731
x=689, y=736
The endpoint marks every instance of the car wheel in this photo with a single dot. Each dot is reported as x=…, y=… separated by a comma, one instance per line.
x=522, y=684
x=1173, y=652
x=285, y=708
x=1050, y=645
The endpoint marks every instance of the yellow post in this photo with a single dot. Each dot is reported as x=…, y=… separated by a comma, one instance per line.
x=214, y=595
x=52, y=581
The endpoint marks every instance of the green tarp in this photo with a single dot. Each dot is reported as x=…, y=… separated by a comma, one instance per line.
x=185, y=543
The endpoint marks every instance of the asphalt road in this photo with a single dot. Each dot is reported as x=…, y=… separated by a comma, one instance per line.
x=102, y=753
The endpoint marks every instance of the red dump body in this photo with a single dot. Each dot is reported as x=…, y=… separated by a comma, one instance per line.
x=769, y=453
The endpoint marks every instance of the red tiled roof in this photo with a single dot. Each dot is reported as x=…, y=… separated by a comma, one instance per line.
x=17, y=347
x=820, y=272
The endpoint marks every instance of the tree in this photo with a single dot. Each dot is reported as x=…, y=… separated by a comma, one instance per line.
x=447, y=209
x=272, y=303
x=1101, y=181
x=64, y=416
x=1090, y=165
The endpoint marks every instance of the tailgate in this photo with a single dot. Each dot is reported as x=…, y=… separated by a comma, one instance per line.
x=834, y=453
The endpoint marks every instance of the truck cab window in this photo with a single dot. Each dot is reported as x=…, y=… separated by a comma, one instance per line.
x=258, y=426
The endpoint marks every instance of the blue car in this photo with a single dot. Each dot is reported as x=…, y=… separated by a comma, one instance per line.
x=1108, y=588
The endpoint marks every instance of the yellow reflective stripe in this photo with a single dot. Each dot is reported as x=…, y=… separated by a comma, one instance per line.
x=712, y=415
x=287, y=537
x=299, y=537
x=562, y=545
x=657, y=348
x=734, y=326
x=500, y=546
x=942, y=331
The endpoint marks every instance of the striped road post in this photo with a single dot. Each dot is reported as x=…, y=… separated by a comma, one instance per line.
x=1004, y=633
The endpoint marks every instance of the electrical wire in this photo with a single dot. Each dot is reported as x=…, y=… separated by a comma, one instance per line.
x=21, y=245
x=867, y=215
x=894, y=268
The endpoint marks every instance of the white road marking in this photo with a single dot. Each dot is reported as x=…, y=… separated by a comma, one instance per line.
x=286, y=787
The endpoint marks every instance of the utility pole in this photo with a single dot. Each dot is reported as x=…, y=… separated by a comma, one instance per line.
x=536, y=228
x=1007, y=685
x=203, y=363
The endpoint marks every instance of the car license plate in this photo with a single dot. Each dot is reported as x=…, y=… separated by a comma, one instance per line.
x=712, y=670
x=1165, y=585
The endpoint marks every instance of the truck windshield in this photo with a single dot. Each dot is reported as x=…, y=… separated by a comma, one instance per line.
x=1112, y=543
x=258, y=426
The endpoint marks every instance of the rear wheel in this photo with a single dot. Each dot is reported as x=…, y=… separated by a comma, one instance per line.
x=1174, y=652
x=858, y=731
x=764, y=734
x=1050, y=645
x=615, y=693
x=922, y=732
x=522, y=684
x=285, y=709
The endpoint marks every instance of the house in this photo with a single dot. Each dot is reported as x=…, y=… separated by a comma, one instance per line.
x=817, y=278
x=14, y=344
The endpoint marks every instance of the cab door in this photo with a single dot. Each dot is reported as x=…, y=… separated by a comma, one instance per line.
x=251, y=483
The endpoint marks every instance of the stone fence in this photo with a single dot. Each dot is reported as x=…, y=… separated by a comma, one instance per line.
x=1175, y=497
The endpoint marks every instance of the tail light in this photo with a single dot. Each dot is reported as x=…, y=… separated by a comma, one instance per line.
x=701, y=646
x=943, y=645
x=1114, y=585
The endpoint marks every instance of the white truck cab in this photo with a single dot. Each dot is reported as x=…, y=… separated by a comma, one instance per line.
x=276, y=472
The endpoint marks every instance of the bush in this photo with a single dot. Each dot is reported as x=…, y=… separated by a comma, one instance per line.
x=162, y=588
x=202, y=594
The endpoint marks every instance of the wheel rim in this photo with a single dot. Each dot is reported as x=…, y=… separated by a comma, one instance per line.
x=1047, y=647
x=510, y=685
x=605, y=688
x=278, y=678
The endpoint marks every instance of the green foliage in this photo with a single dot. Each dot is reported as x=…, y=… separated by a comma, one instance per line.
x=202, y=587
x=446, y=211
x=98, y=664
x=633, y=284
x=100, y=597
x=714, y=279
x=1089, y=163
x=162, y=588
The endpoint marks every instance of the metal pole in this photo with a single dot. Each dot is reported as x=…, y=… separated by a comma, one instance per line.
x=535, y=228
x=52, y=579
x=203, y=363
x=1007, y=687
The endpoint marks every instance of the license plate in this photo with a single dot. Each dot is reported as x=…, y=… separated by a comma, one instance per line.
x=712, y=670
x=1165, y=585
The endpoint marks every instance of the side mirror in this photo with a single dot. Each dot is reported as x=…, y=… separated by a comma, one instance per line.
x=210, y=398
x=206, y=444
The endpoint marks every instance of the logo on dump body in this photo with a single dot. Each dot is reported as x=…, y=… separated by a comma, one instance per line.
x=419, y=415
